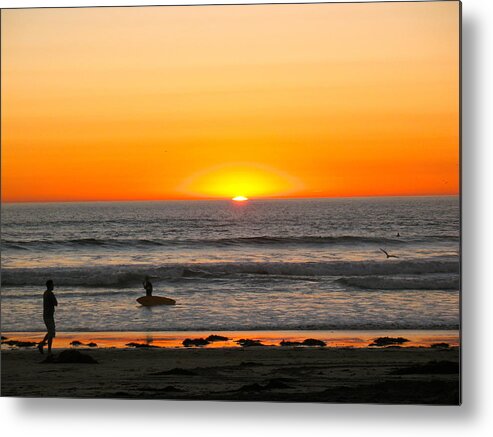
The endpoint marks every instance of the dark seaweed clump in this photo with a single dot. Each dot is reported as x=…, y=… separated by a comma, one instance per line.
x=19, y=343
x=142, y=345
x=195, y=342
x=214, y=337
x=313, y=342
x=247, y=342
x=307, y=342
x=79, y=343
x=387, y=341
x=440, y=345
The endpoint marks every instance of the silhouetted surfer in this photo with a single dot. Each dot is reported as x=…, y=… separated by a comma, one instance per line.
x=49, y=304
x=147, y=286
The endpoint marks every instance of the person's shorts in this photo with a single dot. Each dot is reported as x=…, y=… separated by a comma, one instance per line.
x=50, y=325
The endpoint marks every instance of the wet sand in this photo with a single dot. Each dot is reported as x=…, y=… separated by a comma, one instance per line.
x=339, y=338
x=328, y=374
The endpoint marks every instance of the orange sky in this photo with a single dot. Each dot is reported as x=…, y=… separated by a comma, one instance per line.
x=261, y=101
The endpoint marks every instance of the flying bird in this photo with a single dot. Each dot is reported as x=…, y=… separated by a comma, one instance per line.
x=388, y=256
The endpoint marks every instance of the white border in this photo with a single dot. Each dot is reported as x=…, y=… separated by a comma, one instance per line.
x=173, y=418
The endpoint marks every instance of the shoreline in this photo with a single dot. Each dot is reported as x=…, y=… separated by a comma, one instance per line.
x=175, y=339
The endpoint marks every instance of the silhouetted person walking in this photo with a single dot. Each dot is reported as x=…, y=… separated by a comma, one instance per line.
x=147, y=286
x=49, y=304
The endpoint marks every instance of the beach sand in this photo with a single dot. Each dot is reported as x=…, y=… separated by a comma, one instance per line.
x=345, y=375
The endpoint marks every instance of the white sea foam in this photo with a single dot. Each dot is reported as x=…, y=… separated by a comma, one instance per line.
x=125, y=275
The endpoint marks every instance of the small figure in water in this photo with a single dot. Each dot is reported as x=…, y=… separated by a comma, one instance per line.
x=49, y=304
x=398, y=235
x=147, y=286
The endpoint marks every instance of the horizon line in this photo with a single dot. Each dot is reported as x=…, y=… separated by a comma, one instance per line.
x=224, y=198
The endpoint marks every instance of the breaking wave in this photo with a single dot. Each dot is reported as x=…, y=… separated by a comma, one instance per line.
x=125, y=275
x=431, y=282
x=115, y=243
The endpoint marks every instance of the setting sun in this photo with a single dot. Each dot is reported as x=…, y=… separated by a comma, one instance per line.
x=240, y=198
x=328, y=110
x=227, y=180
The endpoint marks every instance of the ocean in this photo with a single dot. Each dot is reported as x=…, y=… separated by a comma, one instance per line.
x=298, y=264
